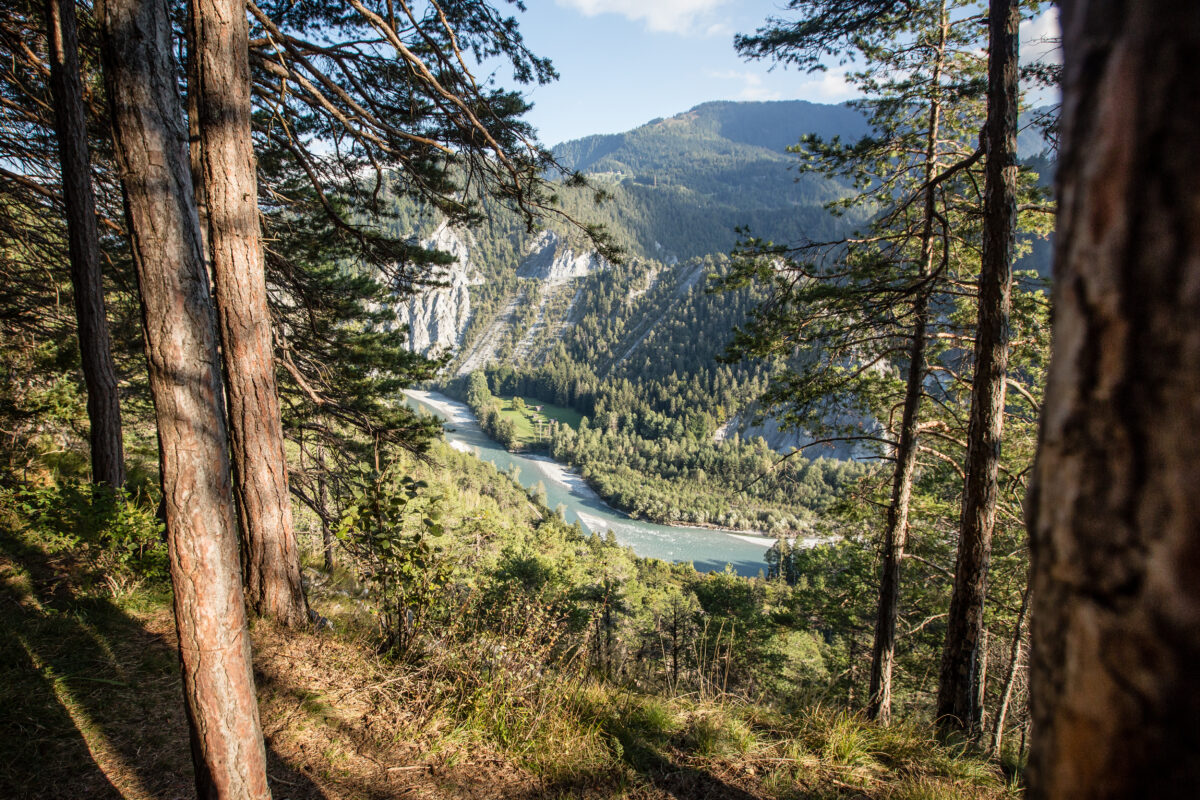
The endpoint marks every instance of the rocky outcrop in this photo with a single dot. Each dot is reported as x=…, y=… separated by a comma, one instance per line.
x=550, y=259
x=483, y=348
x=437, y=318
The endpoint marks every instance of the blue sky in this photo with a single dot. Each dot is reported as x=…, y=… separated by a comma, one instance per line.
x=625, y=62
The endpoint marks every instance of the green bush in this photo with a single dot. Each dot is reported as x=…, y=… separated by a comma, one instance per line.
x=120, y=531
x=392, y=529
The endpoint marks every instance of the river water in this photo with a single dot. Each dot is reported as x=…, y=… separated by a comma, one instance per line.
x=707, y=549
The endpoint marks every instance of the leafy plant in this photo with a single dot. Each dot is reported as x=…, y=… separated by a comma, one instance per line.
x=392, y=527
x=122, y=529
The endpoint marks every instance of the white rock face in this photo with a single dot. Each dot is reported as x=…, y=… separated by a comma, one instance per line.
x=437, y=318
x=550, y=260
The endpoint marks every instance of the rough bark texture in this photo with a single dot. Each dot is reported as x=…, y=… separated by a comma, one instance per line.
x=95, y=347
x=271, y=559
x=185, y=380
x=958, y=706
x=1115, y=511
x=895, y=537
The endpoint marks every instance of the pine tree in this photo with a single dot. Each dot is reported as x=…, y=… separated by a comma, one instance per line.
x=185, y=380
x=95, y=346
x=219, y=90
x=856, y=317
x=958, y=688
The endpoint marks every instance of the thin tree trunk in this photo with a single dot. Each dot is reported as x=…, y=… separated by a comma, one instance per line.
x=879, y=697
x=957, y=708
x=675, y=648
x=185, y=380
x=981, y=685
x=1114, y=512
x=322, y=502
x=1010, y=679
x=271, y=556
x=83, y=243
x=883, y=650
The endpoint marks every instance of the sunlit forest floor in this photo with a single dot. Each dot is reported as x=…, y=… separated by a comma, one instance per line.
x=91, y=707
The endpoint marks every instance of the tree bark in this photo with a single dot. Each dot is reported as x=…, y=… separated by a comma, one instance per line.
x=883, y=649
x=957, y=707
x=1114, y=513
x=271, y=556
x=185, y=380
x=83, y=243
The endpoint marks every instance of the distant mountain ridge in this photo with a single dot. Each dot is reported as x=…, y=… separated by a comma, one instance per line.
x=681, y=186
x=769, y=125
x=678, y=189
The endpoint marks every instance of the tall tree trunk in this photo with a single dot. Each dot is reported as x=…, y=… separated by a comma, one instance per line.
x=185, y=380
x=1010, y=679
x=1115, y=511
x=883, y=650
x=271, y=556
x=83, y=242
x=957, y=708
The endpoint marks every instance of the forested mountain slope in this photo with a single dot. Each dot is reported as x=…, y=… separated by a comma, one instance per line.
x=677, y=191
x=682, y=185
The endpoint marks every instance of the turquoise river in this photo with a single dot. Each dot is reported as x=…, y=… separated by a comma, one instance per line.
x=707, y=549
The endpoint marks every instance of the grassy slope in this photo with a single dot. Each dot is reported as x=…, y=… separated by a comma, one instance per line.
x=90, y=703
x=526, y=421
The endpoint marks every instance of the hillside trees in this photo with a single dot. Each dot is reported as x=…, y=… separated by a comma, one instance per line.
x=958, y=695
x=1113, y=513
x=44, y=258
x=844, y=315
x=874, y=302
x=185, y=379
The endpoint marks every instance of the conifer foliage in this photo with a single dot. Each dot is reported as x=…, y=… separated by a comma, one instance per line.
x=299, y=115
x=874, y=326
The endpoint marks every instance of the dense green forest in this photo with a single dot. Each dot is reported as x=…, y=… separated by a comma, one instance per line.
x=233, y=235
x=642, y=372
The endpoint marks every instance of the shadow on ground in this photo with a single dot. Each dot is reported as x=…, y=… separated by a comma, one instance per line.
x=91, y=702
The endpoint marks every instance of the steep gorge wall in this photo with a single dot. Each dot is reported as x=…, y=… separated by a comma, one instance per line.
x=437, y=318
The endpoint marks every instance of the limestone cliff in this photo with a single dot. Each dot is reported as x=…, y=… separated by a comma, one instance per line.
x=548, y=258
x=437, y=318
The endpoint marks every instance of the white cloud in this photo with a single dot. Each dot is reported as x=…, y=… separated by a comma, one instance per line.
x=1039, y=38
x=829, y=86
x=719, y=29
x=752, y=87
x=660, y=16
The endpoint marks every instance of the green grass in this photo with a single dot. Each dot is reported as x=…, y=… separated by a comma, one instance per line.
x=527, y=420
